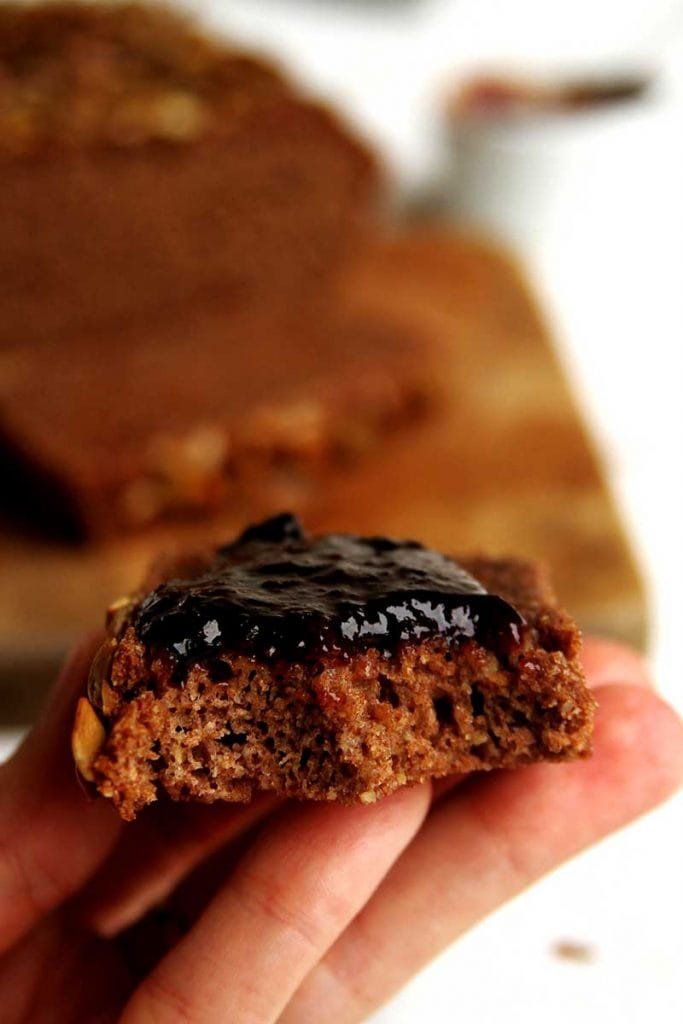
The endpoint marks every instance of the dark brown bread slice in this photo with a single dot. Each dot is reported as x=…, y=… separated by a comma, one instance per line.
x=348, y=721
x=204, y=411
x=142, y=163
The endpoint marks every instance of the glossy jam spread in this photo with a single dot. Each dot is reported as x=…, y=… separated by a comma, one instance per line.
x=277, y=593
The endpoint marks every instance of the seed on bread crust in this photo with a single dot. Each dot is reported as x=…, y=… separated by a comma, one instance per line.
x=87, y=738
x=99, y=671
x=117, y=614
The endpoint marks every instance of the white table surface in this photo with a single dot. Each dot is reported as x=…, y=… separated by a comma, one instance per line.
x=618, y=315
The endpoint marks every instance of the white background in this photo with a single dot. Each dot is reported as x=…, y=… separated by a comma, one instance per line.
x=617, y=304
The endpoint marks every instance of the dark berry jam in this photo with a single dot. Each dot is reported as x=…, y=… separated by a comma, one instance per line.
x=277, y=593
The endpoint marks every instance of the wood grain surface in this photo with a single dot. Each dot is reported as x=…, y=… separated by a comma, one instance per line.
x=506, y=467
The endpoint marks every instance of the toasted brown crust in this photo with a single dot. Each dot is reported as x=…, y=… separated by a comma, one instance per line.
x=351, y=731
x=175, y=216
x=77, y=75
x=234, y=424
x=143, y=164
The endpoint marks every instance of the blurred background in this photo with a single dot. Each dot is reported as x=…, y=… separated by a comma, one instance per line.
x=552, y=136
x=605, y=259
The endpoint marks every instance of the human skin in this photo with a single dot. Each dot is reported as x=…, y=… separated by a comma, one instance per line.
x=294, y=906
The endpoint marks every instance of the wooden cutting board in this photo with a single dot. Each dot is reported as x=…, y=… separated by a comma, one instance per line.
x=510, y=467
x=506, y=467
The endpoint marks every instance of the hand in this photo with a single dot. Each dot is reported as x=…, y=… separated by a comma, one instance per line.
x=289, y=907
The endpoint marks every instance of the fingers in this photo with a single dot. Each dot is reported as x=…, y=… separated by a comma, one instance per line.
x=606, y=661
x=51, y=836
x=57, y=974
x=155, y=853
x=288, y=899
x=55, y=720
x=486, y=843
x=442, y=787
